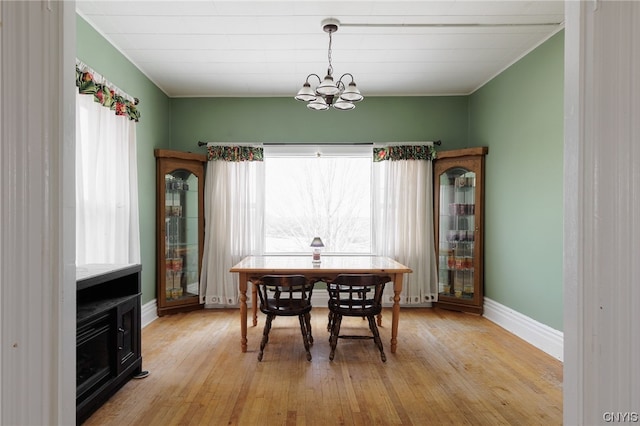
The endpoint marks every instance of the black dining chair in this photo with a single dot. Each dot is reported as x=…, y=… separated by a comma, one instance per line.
x=355, y=295
x=286, y=295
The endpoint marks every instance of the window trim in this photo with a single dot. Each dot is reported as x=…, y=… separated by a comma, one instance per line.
x=318, y=150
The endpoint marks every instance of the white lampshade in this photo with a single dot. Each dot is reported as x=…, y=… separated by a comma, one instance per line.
x=343, y=104
x=318, y=104
x=306, y=94
x=351, y=93
x=327, y=87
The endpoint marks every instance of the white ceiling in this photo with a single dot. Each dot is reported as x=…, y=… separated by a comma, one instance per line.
x=267, y=48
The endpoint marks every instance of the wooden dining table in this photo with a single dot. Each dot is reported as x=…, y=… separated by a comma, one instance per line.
x=253, y=267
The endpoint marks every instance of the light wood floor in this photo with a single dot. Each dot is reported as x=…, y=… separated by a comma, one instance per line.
x=450, y=368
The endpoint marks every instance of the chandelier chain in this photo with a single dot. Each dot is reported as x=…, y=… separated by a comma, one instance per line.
x=330, y=69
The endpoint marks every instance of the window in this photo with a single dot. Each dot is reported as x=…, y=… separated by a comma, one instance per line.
x=322, y=191
x=107, y=227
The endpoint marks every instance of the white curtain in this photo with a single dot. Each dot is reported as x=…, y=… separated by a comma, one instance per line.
x=234, y=219
x=403, y=217
x=107, y=223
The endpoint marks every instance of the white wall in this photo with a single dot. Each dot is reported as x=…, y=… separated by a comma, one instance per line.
x=602, y=213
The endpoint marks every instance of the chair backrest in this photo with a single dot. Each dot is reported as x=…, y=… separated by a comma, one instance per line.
x=284, y=292
x=357, y=294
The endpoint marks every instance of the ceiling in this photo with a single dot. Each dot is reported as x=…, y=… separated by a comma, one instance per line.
x=267, y=48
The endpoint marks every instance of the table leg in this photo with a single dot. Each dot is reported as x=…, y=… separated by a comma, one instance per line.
x=397, y=289
x=243, y=310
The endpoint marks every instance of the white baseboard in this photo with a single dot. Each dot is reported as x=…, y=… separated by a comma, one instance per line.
x=149, y=312
x=539, y=335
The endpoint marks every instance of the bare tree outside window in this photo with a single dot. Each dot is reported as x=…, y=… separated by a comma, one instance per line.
x=327, y=197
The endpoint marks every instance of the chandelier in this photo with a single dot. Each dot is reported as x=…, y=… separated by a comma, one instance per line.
x=328, y=93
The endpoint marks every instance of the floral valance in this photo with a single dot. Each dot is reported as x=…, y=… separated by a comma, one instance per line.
x=90, y=83
x=234, y=153
x=404, y=152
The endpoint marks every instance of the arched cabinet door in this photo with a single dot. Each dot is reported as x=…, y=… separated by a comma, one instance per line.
x=180, y=229
x=459, y=222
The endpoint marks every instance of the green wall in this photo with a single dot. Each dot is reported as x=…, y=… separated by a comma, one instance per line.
x=151, y=132
x=519, y=116
x=287, y=120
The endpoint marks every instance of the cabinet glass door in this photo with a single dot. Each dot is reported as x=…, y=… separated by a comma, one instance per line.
x=457, y=234
x=181, y=235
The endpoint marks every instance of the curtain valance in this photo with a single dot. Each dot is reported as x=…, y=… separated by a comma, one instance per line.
x=234, y=153
x=404, y=152
x=106, y=94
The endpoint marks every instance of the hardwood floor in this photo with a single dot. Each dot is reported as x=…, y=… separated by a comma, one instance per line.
x=450, y=369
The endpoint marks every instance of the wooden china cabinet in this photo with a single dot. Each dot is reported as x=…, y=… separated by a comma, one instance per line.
x=180, y=229
x=459, y=228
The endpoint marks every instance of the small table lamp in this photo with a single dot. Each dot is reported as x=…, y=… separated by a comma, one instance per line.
x=316, y=244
